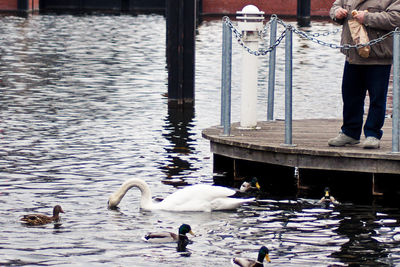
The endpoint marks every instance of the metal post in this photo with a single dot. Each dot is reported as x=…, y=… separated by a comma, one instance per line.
x=271, y=71
x=250, y=23
x=303, y=13
x=226, y=78
x=288, y=86
x=23, y=5
x=223, y=72
x=181, y=29
x=396, y=92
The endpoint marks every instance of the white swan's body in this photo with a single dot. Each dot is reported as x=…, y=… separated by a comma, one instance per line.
x=192, y=198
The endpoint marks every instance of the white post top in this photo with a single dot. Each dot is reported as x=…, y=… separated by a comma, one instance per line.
x=250, y=18
x=250, y=9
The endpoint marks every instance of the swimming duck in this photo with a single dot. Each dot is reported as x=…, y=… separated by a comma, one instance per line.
x=198, y=197
x=327, y=198
x=40, y=219
x=182, y=244
x=253, y=185
x=263, y=253
x=164, y=237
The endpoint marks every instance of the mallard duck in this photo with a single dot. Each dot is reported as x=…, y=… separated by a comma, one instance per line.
x=40, y=219
x=198, y=197
x=251, y=186
x=327, y=199
x=164, y=237
x=263, y=253
x=182, y=243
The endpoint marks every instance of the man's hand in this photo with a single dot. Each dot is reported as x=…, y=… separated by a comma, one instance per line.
x=359, y=15
x=341, y=13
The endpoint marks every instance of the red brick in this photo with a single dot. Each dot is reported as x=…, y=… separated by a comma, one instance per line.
x=279, y=7
x=8, y=5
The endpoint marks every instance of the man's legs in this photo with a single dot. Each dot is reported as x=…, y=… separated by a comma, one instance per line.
x=377, y=77
x=353, y=95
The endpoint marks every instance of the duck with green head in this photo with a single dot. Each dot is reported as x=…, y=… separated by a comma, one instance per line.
x=251, y=186
x=165, y=237
x=263, y=253
x=327, y=199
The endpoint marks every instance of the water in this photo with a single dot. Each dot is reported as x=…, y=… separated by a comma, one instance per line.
x=81, y=111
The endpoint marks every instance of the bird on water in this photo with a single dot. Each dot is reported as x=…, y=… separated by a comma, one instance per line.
x=165, y=237
x=199, y=197
x=263, y=253
x=41, y=219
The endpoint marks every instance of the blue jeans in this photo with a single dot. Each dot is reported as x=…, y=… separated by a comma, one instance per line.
x=357, y=80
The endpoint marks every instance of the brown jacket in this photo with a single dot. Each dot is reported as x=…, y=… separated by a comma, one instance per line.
x=383, y=16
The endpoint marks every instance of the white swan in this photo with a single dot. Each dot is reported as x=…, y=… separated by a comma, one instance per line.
x=198, y=197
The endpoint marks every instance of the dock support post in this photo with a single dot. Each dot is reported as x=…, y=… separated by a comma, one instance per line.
x=23, y=5
x=396, y=92
x=250, y=23
x=303, y=12
x=288, y=85
x=271, y=70
x=226, y=78
x=181, y=28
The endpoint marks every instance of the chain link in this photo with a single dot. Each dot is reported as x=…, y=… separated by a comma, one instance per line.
x=312, y=37
x=260, y=52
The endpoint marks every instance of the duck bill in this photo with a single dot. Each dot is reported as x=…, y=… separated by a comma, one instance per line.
x=258, y=186
x=191, y=232
x=267, y=258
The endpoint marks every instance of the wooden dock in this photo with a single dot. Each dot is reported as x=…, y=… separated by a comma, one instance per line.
x=372, y=170
x=310, y=150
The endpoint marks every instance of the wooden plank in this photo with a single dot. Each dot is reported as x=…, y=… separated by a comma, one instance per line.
x=311, y=149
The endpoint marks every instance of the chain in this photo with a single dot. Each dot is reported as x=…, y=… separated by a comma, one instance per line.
x=324, y=34
x=312, y=37
x=260, y=52
x=264, y=32
x=335, y=46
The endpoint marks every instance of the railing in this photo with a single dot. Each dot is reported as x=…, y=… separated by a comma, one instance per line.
x=228, y=29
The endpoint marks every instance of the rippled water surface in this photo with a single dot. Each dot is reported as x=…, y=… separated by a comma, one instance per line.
x=82, y=110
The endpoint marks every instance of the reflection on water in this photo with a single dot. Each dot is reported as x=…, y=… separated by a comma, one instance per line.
x=364, y=229
x=179, y=124
x=81, y=111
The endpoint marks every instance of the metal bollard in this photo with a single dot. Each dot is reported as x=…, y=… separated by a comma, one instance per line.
x=288, y=86
x=396, y=92
x=226, y=78
x=271, y=71
x=250, y=24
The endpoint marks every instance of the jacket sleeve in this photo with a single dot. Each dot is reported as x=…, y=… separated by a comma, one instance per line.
x=388, y=19
x=335, y=6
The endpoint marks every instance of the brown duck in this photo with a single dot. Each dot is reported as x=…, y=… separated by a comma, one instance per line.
x=40, y=219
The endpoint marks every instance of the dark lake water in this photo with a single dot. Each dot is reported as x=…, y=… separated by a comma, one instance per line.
x=82, y=110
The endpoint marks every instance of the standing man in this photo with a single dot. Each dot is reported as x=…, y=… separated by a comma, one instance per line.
x=365, y=74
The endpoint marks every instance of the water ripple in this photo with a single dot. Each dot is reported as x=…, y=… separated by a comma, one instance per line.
x=82, y=110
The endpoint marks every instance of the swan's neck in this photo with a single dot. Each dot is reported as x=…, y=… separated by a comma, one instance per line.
x=146, y=201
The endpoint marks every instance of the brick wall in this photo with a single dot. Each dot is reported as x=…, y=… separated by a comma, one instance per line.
x=12, y=5
x=8, y=4
x=34, y=4
x=279, y=7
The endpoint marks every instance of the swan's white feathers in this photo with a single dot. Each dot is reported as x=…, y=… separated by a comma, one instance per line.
x=192, y=198
x=201, y=197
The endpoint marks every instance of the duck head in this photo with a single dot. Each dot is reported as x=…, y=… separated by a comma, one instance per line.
x=184, y=229
x=263, y=253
